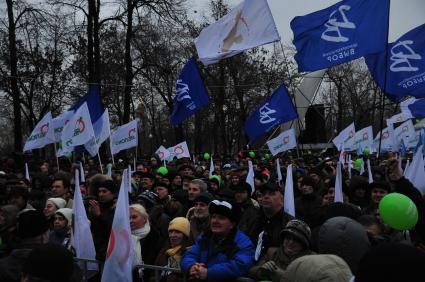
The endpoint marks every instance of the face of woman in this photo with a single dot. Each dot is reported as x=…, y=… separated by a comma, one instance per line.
x=176, y=237
x=49, y=209
x=137, y=220
x=292, y=246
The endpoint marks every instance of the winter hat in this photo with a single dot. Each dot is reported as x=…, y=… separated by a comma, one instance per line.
x=180, y=195
x=31, y=223
x=50, y=262
x=382, y=185
x=243, y=187
x=58, y=202
x=180, y=224
x=299, y=229
x=216, y=179
x=110, y=185
x=307, y=180
x=224, y=208
x=391, y=262
x=66, y=213
x=204, y=197
x=150, y=198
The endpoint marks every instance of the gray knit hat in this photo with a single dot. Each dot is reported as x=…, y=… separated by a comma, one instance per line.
x=299, y=229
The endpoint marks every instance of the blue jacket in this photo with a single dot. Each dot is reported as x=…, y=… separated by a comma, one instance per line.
x=219, y=266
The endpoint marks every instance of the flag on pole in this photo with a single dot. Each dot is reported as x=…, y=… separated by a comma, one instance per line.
x=124, y=137
x=364, y=139
x=369, y=172
x=404, y=70
x=102, y=130
x=58, y=123
x=401, y=117
x=83, y=177
x=212, y=168
x=340, y=33
x=406, y=168
x=388, y=142
x=406, y=132
x=289, y=205
x=41, y=134
x=81, y=236
x=404, y=107
x=276, y=110
x=162, y=153
x=283, y=142
x=191, y=93
x=119, y=256
x=179, y=151
x=79, y=129
x=350, y=166
x=250, y=177
x=339, y=198
x=418, y=108
x=346, y=138
x=416, y=172
x=109, y=170
x=27, y=173
x=248, y=25
x=279, y=173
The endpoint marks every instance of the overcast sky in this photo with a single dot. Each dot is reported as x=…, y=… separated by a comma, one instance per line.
x=405, y=14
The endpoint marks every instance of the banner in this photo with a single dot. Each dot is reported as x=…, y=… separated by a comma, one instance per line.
x=283, y=142
x=346, y=138
x=162, y=153
x=102, y=130
x=179, y=151
x=406, y=132
x=125, y=137
x=364, y=139
x=41, y=134
x=248, y=25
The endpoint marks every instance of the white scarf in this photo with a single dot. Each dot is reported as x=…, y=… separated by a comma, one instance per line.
x=136, y=236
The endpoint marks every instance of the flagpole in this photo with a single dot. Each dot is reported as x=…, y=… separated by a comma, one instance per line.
x=56, y=155
x=385, y=79
x=100, y=162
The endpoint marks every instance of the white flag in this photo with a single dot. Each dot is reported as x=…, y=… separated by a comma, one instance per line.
x=369, y=172
x=387, y=142
x=406, y=168
x=79, y=129
x=416, y=171
x=211, y=167
x=406, y=132
x=279, y=173
x=350, y=166
x=364, y=138
x=288, y=198
x=250, y=177
x=401, y=117
x=283, y=142
x=27, y=173
x=338, y=185
x=102, y=130
x=81, y=236
x=124, y=137
x=248, y=25
x=58, y=123
x=180, y=151
x=41, y=135
x=119, y=257
x=109, y=170
x=346, y=138
x=404, y=107
x=162, y=153
x=83, y=177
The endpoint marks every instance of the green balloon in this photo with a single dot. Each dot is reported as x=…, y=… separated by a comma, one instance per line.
x=162, y=170
x=216, y=177
x=398, y=211
x=366, y=151
x=251, y=154
x=358, y=163
x=267, y=156
x=206, y=156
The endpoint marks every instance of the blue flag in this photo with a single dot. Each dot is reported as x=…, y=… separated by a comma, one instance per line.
x=418, y=109
x=340, y=33
x=191, y=93
x=405, y=66
x=276, y=110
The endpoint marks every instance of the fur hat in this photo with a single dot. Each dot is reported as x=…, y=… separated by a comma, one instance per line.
x=180, y=224
x=31, y=223
x=299, y=229
x=58, y=202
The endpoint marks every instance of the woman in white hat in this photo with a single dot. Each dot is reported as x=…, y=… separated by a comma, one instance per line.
x=52, y=205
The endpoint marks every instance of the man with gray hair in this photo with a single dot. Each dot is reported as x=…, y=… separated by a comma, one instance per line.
x=196, y=187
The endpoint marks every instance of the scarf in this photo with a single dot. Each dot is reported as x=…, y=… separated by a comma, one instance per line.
x=136, y=236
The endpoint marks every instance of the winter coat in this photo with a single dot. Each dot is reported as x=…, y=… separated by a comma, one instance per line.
x=249, y=219
x=150, y=247
x=170, y=257
x=307, y=208
x=101, y=228
x=198, y=225
x=12, y=265
x=277, y=255
x=225, y=260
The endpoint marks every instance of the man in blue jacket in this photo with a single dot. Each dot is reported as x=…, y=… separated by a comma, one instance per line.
x=222, y=253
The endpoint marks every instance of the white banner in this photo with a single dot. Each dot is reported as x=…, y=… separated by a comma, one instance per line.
x=346, y=138
x=163, y=153
x=283, y=142
x=364, y=138
x=125, y=137
x=406, y=132
x=102, y=130
x=41, y=135
x=179, y=151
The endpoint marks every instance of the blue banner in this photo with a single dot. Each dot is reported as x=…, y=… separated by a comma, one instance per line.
x=340, y=33
x=276, y=110
x=405, y=66
x=418, y=109
x=191, y=93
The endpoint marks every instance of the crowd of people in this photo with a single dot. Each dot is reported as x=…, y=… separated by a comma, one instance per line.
x=214, y=226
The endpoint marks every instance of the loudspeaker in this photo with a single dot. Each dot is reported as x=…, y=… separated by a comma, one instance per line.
x=315, y=125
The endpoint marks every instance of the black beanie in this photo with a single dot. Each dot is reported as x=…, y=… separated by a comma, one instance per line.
x=51, y=262
x=31, y=224
x=110, y=185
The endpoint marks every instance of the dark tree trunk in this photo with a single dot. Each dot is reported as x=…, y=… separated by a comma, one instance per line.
x=128, y=62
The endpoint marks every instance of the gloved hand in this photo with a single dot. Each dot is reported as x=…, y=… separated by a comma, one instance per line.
x=272, y=270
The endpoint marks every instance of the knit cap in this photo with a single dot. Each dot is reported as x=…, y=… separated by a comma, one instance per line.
x=180, y=224
x=58, y=202
x=66, y=213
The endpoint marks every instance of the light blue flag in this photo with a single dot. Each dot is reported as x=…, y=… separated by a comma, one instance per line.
x=340, y=33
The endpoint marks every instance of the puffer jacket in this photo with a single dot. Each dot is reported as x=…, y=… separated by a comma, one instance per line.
x=224, y=261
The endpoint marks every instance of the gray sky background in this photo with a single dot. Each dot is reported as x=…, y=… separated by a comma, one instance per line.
x=404, y=14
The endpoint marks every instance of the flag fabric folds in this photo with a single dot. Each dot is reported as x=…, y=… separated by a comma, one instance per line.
x=289, y=203
x=406, y=133
x=277, y=109
x=346, y=138
x=179, y=151
x=162, y=153
x=41, y=135
x=404, y=68
x=279, y=173
x=81, y=236
x=125, y=137
x=191, y=93
x=119, y=256
x=248, y=25
x=401, y=117
x=102, y=130
x=212, y=169
x=79, y=129
x=416, y=173
x=364, y=139
x=388, y=143
x=339, y=198
x=418, y=108
x=340, y=33
x=283, y=142
x=250, y=177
